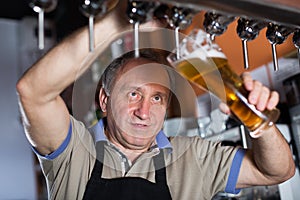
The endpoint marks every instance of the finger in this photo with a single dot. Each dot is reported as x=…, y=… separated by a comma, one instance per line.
x=247, y=81
x=255, y=92
x=263, y=98
x=273, y=100
x=224, y=108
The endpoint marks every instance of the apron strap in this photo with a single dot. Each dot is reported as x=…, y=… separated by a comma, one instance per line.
x=159, y=163
x=160, y=168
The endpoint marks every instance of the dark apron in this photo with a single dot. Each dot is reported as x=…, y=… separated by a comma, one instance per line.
x=127, y=188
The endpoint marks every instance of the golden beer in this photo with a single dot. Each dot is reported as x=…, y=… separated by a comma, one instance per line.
x=217, y=77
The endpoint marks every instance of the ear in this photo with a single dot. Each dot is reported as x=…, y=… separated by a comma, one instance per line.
x=103, y=99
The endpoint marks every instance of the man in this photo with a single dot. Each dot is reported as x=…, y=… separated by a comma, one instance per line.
x=126, y=155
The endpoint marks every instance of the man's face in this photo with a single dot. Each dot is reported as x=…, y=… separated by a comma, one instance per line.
x=137, y=105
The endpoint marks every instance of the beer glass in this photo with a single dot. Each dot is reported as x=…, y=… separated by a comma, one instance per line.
x=205, y=65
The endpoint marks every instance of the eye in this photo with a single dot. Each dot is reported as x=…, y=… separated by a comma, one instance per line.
x=134, y=96
x=157, y=99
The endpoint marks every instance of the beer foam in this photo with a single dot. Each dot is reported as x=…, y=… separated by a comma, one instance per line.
x=198, y=53
x=203, y=41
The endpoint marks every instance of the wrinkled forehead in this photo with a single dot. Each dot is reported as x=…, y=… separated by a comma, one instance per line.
x=142, y=72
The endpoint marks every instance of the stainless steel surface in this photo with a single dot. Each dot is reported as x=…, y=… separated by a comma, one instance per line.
x=91, y=9
x=275, y=59
x=136, y=39
x=285, y=12
x=91, y=33
x=277, y=34
x=247, y=30
x=41, y=7
x=216, y=24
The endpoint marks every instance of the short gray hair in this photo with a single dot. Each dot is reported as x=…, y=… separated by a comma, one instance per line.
x=112, y=71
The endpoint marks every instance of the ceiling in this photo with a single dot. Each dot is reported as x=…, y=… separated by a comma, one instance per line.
x=66, y=15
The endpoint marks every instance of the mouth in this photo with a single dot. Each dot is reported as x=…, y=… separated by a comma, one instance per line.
x=140, y=125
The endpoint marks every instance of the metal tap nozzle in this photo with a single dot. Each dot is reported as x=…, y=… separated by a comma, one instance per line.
x=216, y=24
x=276, y=34
x=247, y=30
x=42, y=6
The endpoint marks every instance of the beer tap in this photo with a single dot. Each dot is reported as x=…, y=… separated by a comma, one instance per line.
x=276, y=34
x=42, y=6
x=216, y=24
x=138, y=12
x=296, y=41
x=247, y=30
x=179, y=19
x=91, y=9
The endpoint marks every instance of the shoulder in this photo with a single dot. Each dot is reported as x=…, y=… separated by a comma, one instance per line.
x=200, y=147
x=82, y=137
x=77, y=160
x=78, y=140
x=188, y=142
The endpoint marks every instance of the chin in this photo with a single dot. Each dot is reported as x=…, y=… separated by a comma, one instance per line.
x=140, y=142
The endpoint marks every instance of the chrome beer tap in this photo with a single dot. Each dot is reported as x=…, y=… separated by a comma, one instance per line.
x=276, y=34
x=91, y=9
x=179, y=19
x=42, y=6
x=138, y=12
x=216, y=24
x=248, y=30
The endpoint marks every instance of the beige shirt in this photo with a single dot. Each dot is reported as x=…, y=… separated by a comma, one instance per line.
x=196, y=168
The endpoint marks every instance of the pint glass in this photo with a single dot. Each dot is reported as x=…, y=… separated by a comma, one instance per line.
x=205, y=65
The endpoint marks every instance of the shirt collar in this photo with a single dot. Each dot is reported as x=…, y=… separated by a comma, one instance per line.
x=97, y=132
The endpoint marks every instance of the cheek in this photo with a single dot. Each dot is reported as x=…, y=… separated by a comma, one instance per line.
x=119, y=108
x=158, y=117
x=159, y=113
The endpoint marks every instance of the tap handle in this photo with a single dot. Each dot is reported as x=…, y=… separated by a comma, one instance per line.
x=216, y=24
x=248, y=30
x=139, y=11
x=276, y=34
x=91, y=9
x=180, y=17
x=45, y=5
x=42, y=6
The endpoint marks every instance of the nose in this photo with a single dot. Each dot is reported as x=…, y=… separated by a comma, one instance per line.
x=143, y=109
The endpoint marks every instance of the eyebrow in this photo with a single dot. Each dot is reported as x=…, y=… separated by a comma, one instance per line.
x=165, y=93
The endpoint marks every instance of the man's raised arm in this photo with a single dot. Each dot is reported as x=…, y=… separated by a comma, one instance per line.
x=45, y=115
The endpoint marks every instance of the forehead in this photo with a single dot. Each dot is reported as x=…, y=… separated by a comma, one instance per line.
x=143, y=72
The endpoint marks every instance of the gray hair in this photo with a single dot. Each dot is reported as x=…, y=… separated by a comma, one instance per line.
x=112, y=71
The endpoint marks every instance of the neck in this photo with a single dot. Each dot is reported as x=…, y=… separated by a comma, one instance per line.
x=132, y=152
